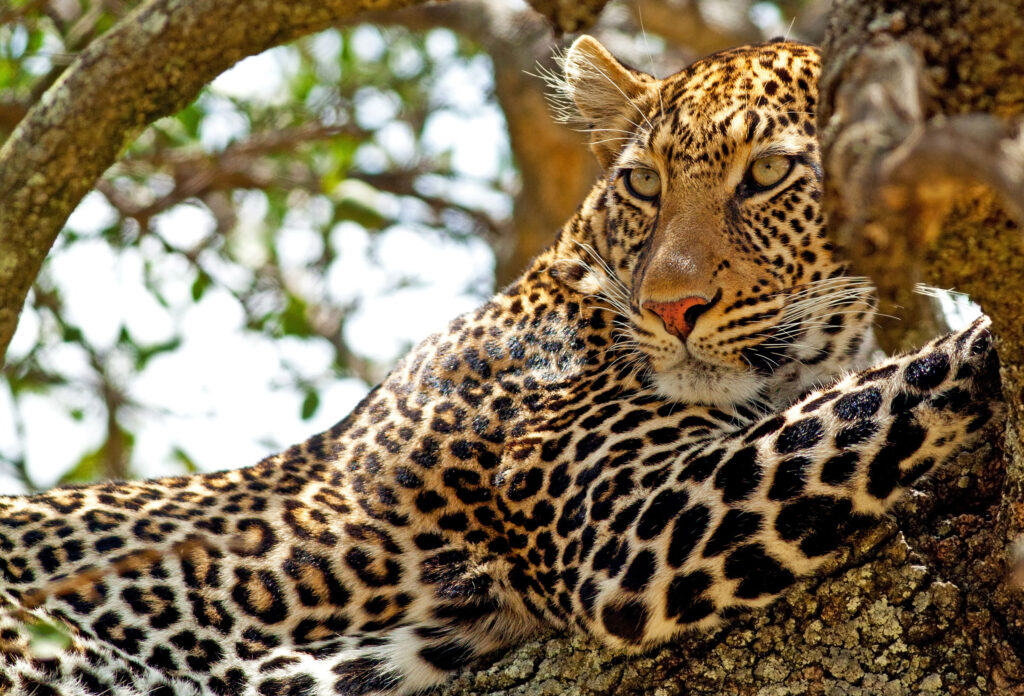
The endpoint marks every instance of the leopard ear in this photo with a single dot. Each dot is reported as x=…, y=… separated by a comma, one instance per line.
x=610, y=98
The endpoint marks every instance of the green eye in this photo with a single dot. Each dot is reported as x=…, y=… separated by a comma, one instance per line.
x=643, y=183
x=769, y=171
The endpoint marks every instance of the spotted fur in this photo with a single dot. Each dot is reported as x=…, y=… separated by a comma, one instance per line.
x=557, y=457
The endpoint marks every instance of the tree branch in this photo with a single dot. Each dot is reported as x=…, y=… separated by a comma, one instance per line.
x=198, y=174
x=681, y=22
x=918, y=118
x=11, y=113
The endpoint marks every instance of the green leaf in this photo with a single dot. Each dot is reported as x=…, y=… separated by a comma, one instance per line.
x=92, y=464
x=72, y=334
x=146, y=353
x=357, y=211
x=310, y=404
x=187, y=463
x=191, y=117
x=293, y=319
x=199, y=285
x=89, y=468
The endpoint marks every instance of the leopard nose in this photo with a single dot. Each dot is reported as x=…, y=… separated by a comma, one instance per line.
x=679, y=316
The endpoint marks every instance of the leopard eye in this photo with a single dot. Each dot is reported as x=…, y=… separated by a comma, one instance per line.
x=643, y=183
x=768, y=171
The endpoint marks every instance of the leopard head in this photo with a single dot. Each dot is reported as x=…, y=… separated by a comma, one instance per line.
x=706, y=232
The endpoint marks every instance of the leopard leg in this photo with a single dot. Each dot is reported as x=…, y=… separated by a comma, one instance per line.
x=405, y=660
x=752, y=512
x=85, y=667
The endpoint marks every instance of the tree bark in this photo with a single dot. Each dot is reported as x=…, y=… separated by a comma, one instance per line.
x=922, y=604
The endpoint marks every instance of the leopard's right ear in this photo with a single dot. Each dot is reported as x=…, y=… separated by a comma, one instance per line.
x=611, y=99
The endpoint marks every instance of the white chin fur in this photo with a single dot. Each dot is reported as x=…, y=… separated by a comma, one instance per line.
x=707, y=384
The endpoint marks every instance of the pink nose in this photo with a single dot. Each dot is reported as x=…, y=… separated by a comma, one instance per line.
x=679, y=316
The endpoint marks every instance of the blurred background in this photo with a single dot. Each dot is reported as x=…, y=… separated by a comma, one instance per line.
x=256, y=262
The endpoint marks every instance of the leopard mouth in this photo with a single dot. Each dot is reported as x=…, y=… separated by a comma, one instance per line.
x=772, y=371
x=773, y=362
x=694, y=380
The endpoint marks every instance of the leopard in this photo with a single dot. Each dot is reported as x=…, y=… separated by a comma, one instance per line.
x=669, y=418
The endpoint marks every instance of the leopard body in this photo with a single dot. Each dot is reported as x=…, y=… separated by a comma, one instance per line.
x=563, y=456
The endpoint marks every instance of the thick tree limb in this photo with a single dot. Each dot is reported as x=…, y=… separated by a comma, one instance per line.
x=924, y=156
x=901, y=173
x=151, y=64
x=876, y=102
x=916, y=113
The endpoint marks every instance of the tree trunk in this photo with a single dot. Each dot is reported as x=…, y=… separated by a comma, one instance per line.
x=922, y=604
x=556, y=167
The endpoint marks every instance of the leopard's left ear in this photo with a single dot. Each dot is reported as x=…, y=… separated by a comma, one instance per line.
x=610, y=97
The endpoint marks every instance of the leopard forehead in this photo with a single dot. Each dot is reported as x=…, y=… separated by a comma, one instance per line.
x=781, y=75
x=724, y=111
x=702, y=127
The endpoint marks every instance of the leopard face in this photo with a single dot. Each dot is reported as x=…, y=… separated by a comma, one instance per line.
x=714, y=250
